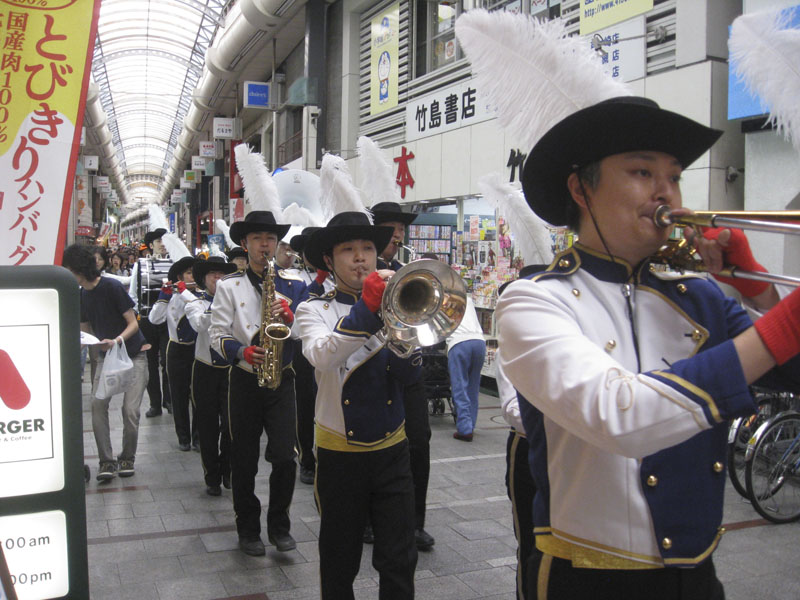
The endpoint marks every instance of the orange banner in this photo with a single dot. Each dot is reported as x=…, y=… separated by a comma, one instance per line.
x=45, y=59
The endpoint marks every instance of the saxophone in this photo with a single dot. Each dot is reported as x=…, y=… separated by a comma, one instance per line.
x=271, y=334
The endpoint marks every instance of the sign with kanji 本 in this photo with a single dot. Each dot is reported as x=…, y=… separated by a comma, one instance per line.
x=448, y=108
x=44, y=57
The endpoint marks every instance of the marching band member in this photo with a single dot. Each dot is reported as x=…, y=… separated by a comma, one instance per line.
x=210, y=379
x=170, y=308
x=236, y=316
x=238, y=257
x=362, y=452
x=319, y=281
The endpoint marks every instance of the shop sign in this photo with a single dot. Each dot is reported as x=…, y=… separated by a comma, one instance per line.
x=190, y=176
x=91, y=162
x=187, y=185
x=449, y=108
x=113, y=239
x=177, y=196
x=84, y=230
x=384, y=60
x=226, y=128
x=403, y=177
x=624, y=60
x=208, y=149
x=172, y=222
x=256, y=94
x=102, y=183
x=198, y=163
x=599, y=14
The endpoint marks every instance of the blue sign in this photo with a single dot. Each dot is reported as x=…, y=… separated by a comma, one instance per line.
x=741, y=103
x=256, y=94
x=172, y=222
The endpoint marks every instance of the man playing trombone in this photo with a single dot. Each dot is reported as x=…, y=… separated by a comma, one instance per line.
x=627, y=376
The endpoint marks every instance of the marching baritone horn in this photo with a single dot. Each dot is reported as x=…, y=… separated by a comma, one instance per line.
x=423, y=304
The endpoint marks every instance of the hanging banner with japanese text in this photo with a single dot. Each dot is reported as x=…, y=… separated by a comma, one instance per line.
x=598, y=14
x=44, y=73
x=384, y=60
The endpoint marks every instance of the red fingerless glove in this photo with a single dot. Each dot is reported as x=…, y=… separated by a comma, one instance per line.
x=372, y=292
x=780, y=328
x=288, y=315
x=248, y=352
x=181, y=287
x=738, y=254
x=166, y=289
x=321, y=276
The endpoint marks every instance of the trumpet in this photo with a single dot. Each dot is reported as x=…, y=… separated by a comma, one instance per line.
x=682, y=256
x=412, y=254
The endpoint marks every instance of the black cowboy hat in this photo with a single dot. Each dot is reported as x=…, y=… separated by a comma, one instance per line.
x=151, y=236
x=383, y=212
x=257, y=220
x=623, y=124
x=342, y=228
x=201, y=268
x=236, y=252
x=298, y=242
x=179, y=267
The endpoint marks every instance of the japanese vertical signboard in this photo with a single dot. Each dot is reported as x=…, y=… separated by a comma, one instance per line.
x=624, y=46
x=598, y=14
x=44, y=73
x=384, y=60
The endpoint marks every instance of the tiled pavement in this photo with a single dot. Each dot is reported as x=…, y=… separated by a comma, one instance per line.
x=158, y=535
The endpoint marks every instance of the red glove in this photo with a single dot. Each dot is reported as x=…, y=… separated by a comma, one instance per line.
x=780, y=328
x=738, y=254
x=248, y=355
x=166, y=289
x=372, y=292
x=288, y=315
x=181, y=287
x=321, y=276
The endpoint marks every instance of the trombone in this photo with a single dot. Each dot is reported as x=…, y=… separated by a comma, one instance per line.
x=680, y=255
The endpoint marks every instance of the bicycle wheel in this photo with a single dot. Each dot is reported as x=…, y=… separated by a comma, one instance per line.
x=771, y=476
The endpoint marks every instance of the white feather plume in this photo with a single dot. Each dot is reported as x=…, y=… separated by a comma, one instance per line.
x=377, y=180
x=531, y=234
x=298, y=215
x=175, y=247
x=260, y=189
x=338, y=194
x=531, y=71
x=766, y=56
x=226, y=230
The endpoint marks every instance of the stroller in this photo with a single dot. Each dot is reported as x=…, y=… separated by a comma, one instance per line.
x=436, y=380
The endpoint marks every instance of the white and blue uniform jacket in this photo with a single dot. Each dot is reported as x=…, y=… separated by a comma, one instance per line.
x=627, y=431
x=360, y=382
x=236, y=313
x=172, y=310
x=198, y=313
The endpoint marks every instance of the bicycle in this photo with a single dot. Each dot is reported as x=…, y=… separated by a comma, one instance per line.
x=772, y=472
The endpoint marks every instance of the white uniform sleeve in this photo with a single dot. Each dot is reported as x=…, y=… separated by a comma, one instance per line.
x=324, y=348
x=509, y=401
x=196, y=314
x=222, y=312
x=158, y=314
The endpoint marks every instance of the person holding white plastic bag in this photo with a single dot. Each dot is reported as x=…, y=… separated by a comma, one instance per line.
x=107, y=308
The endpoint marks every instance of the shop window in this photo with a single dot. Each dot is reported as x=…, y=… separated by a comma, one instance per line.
x=436, y=44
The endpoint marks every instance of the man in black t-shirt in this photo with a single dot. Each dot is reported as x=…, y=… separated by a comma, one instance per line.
x=107, y=311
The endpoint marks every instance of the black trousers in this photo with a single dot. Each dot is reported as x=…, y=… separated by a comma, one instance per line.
x=251, y=411
x=210, y=399
x=418, y=432
x=305, y=389
x=521, y=490
x=350, y=486
x=180, y=358
x=158, y=384
x=564, y=582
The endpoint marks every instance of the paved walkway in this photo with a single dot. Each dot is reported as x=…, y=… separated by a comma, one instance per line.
x=158, y=535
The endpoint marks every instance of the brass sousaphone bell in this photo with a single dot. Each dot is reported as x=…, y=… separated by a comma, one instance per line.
x=422, y=305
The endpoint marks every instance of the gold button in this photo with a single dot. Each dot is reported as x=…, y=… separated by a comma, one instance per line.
x=652, y=268
x=652, y=481
x=721, y=530
x=696, y=335
x=350, y=433
x=247, y=326
x=242, y=304
x=325, y=306
x=237, y=283
x=576, y=293
x=346, y=402
x=388, y=433
x=666, y=543
x=563, y=263
x=610, y=345
x=681, y=288
x=717, y=467
x=389, y=402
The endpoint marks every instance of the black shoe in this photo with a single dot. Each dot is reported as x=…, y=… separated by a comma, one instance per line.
x=107, y=471
x=424, y=539
x=168, y=407
x=252, y=546
x=196, y=447
x=307, y=475
x=184, y=447
x=153, y=412
x=283, y=542
x=125, y=468
x=213, y=490
x=226, y=482
x=369, y=537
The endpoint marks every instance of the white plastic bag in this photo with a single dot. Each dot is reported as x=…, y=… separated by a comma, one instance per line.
x=117, y=374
